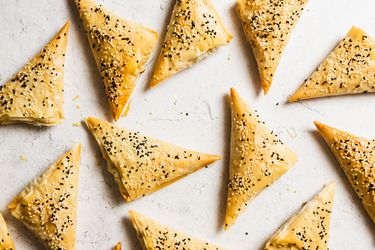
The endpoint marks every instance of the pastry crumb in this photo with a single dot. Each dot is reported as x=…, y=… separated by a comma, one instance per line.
x=75, y=98
x=76, y=124
x=78, y=107
x=23, y=157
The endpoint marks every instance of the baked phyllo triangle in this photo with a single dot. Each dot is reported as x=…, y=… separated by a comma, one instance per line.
x=121, y=49
x=348, y=69
x=153, y=236
x=35, y=94
x=195, y=30
x=6, y=242
x=257, y=158
x=48, y=205
x=140, y=164
x=309, y=228
x=356, y=156
x=267, y=25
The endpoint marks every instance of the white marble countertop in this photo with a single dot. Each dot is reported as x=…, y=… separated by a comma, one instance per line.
x=195, y=204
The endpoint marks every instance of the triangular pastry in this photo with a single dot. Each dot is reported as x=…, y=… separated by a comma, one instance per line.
x=153, y=236
x=121, y=49
x=195, y=30
x=348, y=69
x=257, y=158
x=356, y=156
x=267, y=25
x=142, y=165
x=309, y=228
x=6, y=242
x=48, y=205
x=35, y=94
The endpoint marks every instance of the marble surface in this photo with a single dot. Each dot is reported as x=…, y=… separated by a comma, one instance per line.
x=190, y=110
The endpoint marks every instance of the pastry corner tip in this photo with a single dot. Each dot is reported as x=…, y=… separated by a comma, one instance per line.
x=294, y=158
x=233, y=93
x=292, y=99
x=66, y=27
x=316, y=123
x=265, y=90
x=13, y=204
x=320, y=126
x=297, y=96
x=266, y=87
x=116, y=116
x=329, y=188
x=87, y=119
x=326, y=131
x=90, y=121
x=355, y=31
x=212, y=158
x=217, y=157
x=331, y=185
x=227, y=225
x=132, y=215
x=118, y=246
x=67, y=23
x=154, y=83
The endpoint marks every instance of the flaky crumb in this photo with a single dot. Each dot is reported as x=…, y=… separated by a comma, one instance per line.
x=23, y=157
